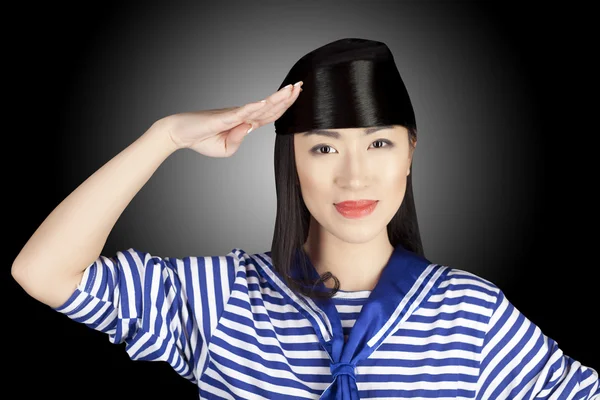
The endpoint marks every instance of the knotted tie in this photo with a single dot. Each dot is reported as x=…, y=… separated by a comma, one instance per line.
x=343, y=369
x=344, y=382
x=406, y=281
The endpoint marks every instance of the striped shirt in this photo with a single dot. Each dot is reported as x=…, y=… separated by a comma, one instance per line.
x=220, y=324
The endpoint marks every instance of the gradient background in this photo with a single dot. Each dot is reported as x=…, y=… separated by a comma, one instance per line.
x=501, y=186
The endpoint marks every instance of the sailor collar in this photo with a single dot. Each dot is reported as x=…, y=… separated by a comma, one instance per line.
x=407, y=281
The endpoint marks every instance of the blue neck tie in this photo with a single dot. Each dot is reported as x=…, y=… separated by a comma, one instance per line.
x=406, y=281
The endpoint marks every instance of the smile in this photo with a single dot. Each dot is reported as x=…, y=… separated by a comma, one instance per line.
x=356, y=210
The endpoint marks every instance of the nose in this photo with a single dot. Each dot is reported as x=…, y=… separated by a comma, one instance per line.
x=354, y=172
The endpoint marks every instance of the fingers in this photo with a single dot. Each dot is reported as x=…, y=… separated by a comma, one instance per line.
x=283, y=94
x=262, y=112
x=247, y=111
x=277, y=111
x=233, y=116
x=272, y=113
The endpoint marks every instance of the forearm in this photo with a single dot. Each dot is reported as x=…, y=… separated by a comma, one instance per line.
x=74, y=234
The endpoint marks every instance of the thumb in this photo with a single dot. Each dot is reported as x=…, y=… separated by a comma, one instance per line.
x=237, y=135
x=245, y=129
x=248, y=127
x=239, y=132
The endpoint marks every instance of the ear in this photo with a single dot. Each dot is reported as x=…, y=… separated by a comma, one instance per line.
x=411, y=152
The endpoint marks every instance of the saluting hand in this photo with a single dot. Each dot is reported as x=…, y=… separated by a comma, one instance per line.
x=219, y=132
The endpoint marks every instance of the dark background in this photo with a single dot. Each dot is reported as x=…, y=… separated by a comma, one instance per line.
x=545, y=263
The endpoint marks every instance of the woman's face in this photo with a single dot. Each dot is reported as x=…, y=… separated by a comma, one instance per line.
x=353, y=164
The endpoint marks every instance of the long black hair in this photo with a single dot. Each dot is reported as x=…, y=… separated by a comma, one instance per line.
x=348, y=83
x=293, y=218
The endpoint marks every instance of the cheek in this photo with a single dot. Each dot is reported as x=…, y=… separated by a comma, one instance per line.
x=394, y=177
x=314, y=183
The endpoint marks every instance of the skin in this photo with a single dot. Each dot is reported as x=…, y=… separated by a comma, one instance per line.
x=353, y=167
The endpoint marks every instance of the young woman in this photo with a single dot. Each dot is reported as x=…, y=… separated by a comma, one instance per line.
x=344, y=305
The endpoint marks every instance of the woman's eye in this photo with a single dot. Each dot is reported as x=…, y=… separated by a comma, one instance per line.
x=316, y=149
x=382, y=141
x=320, y=147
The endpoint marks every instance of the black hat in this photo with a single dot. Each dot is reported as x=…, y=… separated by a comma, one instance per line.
x=349, y=83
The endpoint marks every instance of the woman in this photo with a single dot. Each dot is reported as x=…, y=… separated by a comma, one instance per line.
x=345, y=305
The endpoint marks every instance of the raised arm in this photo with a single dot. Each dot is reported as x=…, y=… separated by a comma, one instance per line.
x=51, y=263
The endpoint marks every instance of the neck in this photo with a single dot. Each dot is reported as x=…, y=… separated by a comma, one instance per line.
x=357, y=266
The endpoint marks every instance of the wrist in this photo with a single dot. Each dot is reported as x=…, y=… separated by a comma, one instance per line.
x=162, y=130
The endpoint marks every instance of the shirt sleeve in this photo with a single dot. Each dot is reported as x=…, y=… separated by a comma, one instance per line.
x=162, y=309
x=519, y=362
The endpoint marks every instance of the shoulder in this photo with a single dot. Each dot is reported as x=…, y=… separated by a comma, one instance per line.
x=465, y=280
x=468, y=291
x=235, y=261
x=237, y=254
x=250, y=260
x=243, y=255
x=237, y=257
x=247, y=265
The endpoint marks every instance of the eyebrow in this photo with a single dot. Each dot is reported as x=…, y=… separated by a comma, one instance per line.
x=336, y=135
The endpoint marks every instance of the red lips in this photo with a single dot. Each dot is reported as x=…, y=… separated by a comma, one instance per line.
x=352, y=204
x=356, y=209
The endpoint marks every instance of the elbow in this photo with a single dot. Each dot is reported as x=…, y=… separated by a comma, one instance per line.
x=50, y=288
x=31, y=281
x=18, y=272
x=22, y=275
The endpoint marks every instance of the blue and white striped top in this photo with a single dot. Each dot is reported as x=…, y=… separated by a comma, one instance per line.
x=228, y=324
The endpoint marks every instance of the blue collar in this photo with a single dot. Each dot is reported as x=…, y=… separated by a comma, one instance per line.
x=406, y=281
